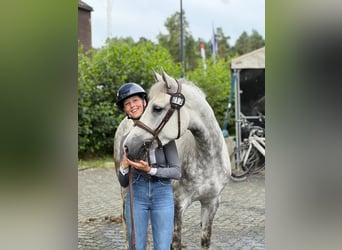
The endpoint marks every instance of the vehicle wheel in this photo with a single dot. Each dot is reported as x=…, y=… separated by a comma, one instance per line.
x=244, y=169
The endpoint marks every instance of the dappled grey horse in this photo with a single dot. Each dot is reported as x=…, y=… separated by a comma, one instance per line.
x=178, y=109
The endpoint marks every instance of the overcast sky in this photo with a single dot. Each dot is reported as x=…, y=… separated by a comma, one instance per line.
x=146, y=18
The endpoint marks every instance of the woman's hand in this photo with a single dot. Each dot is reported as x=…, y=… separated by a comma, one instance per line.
x=124, y=162
x=140, y=165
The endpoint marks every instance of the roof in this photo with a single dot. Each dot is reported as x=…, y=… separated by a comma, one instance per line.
x=251, y=60
x=83, y=5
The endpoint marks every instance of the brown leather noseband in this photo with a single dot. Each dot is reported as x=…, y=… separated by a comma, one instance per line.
x=177, y=100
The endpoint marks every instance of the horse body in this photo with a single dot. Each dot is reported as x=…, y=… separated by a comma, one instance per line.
x=205, y=172
x=202, y=150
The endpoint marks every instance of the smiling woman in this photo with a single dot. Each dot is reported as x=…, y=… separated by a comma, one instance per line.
x=132, y=99
x=134, y=106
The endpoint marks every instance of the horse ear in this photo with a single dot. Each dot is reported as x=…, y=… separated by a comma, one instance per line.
x=157, y=77
x=171, y=83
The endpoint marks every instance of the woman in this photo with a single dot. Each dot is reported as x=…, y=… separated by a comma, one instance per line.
x=152, y=190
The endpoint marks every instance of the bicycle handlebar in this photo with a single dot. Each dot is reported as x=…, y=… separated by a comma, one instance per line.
x=251, y=128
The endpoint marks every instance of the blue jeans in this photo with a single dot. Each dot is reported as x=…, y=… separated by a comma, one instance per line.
x=152, y=198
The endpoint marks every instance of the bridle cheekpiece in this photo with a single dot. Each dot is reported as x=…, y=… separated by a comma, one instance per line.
x=177, y=100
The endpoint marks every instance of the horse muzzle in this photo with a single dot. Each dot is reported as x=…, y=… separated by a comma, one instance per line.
x=137, y=151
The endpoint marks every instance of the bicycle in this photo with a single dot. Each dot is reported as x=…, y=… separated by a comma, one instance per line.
x=249, y=156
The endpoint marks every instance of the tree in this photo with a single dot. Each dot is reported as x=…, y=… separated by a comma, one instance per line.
x=241, y=45
x=192, y=53
x=171, y=41
x=222, y=42
x=255, y=41
x=245, y=43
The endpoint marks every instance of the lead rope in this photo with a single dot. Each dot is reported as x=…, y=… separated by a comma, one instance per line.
x=179, y=124
x=147, y=146
x=131, y=207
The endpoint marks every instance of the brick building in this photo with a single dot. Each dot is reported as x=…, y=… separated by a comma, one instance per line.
x=84, y=25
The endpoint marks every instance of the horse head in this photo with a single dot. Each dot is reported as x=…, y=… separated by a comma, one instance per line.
x=165, y=118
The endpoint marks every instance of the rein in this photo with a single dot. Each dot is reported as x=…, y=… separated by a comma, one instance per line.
x=177, y=100
x=130, y=173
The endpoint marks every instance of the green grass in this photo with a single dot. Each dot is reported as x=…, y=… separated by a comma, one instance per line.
x=99, y=162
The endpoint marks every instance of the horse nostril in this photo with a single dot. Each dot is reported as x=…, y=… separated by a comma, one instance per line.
x=126, y=149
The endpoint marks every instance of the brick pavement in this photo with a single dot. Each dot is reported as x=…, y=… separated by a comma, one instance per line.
x=239, y=222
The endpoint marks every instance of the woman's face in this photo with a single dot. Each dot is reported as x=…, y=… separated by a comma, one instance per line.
x=134, y=106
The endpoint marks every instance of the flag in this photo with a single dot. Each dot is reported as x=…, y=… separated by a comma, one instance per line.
x=213, y=45
x=203, y=56
x=202, y=51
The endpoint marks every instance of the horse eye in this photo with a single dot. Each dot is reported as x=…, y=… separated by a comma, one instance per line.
x=157, y=109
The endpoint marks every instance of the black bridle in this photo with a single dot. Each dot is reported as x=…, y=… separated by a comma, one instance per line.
x=177, y=100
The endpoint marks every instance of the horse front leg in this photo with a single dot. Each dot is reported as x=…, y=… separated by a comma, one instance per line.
x=181, y=204
x=123, y=215
x=177, y=227
x=208, y=211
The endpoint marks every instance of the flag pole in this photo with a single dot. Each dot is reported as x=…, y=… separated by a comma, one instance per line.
x=182, y=39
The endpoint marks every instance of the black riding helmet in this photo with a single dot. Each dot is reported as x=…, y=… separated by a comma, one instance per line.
x=128, y=90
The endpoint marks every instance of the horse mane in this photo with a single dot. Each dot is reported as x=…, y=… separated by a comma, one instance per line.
x=195, y=87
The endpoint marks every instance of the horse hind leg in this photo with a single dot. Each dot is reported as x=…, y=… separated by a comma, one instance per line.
x=208, y=211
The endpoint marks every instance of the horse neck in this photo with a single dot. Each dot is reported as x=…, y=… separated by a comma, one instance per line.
x=206, y=131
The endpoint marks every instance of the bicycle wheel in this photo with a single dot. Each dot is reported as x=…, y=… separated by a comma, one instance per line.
x=245, y=165
x=260, y=164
